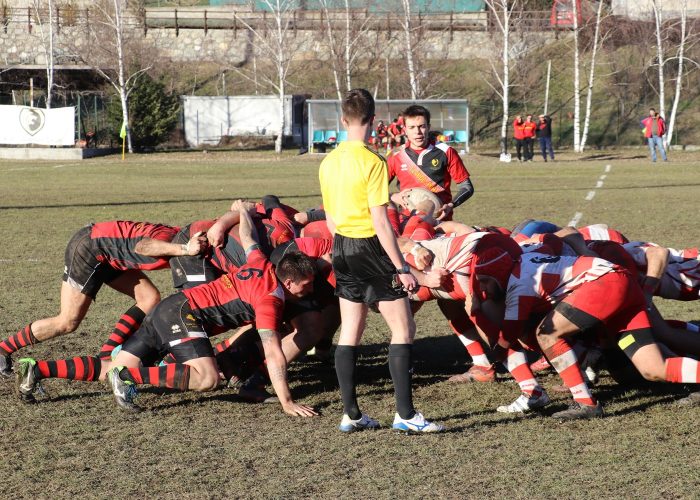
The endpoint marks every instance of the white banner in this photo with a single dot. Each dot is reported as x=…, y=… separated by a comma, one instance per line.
x=25, y=125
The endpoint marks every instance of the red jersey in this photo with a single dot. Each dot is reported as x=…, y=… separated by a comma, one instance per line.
x=251, y=295
x=529, y=129
x=115, y=243
x=433, y=168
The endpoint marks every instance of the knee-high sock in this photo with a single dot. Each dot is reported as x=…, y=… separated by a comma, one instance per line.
x=475, y=350
x=129, y=322
x=172, y=376
x=400, y=367
x=516, y=363
x=345, y=361
x=682, y=370
x=85, y=368
x=22, y=338
x=564, y=361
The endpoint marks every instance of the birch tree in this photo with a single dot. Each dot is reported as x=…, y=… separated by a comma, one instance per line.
x=409, y=47
x=47, y=36
x=502, y=14
x=591, y=77
x=112, y=51
x=274, y=42
x=577, y=81
x=679, y=76
x=656, y=11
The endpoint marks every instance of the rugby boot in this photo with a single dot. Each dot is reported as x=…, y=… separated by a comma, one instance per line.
x=253, y=390
x=693, y=399
x=525, y=403
x=27, y=382
x=347, y=424
x=578, y=411
x=124, y=391
x=475, y=374
x=415, y=425
x=6, y=366
x=540, y=365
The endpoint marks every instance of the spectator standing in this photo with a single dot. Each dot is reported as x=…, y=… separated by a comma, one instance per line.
x=530, y=129
x=654, y=130
x=519, y=136
x=544, y=134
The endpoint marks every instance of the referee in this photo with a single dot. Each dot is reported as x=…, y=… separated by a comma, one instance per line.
x=368, y=265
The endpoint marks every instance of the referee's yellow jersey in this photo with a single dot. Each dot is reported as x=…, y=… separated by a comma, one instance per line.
x=353, y=179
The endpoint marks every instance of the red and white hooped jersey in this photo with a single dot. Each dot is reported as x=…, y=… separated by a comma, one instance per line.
x=681, y=281
x=538, y=282
x=601, y=232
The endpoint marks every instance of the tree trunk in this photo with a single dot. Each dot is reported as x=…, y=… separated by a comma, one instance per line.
x=331, y=47
x=280, y=133
x=591, y=79
x=123, y=92
x=505, y=83
x=50, y=59
x=660, y=56
x=348, y=49
x=679, y=77
x=412, y=77
x=577, y=84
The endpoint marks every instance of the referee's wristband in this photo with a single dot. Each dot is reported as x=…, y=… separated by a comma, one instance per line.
x=403, y=270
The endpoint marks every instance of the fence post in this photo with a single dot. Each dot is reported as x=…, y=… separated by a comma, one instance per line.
x=29, y=19
x=58, y=19
x=177, y=27
x=206, y=28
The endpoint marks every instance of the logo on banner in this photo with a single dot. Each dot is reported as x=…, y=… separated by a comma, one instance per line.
x=32, y=120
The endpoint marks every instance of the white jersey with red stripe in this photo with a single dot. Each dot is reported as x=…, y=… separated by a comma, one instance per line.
x=540, y=281
x=681, y=280
x=601, y=232
x=454, y=254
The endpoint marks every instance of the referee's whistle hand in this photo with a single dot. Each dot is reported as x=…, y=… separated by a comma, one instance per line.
x=408, y=281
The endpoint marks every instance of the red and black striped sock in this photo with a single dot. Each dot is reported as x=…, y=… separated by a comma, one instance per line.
x=129, y=322
x=172, y=376
x=22, y=338
x=79, y=368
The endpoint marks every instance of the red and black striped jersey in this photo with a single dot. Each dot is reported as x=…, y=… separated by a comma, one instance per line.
x=250, y=295
x=115, y=243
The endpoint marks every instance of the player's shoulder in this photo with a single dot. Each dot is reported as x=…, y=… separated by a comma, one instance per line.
x=370, y=154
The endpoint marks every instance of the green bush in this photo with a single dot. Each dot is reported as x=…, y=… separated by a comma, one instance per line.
x=153, y=113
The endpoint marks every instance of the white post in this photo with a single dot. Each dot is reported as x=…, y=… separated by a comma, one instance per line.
x=546, y=89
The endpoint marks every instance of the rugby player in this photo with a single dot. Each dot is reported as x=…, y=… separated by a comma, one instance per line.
x=113, y=253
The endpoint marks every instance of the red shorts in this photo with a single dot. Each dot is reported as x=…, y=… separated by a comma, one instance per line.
x=614, y=300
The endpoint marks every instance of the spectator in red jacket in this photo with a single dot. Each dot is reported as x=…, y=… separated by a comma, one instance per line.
x=519, y=136
x=654, y=130
x=530, y=129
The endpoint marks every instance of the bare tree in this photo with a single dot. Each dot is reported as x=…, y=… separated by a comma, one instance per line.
x=112, y=50
x=502, y=15
x=656, y=10
x=591, y=77
x=273, y=40
x=47, y=37
x=409, y=47
x=331, y=39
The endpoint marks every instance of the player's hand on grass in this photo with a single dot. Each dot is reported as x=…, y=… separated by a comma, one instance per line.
x=299, y=410
x=198, y=244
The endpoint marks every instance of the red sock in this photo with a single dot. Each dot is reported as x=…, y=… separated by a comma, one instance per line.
x=516, y=363
x=172, y=376
x=129, y=322
x=564, y=361
x=682, y=371
x=22, y=338
x=79, y=368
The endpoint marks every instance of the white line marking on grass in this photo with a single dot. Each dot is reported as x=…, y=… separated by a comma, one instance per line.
x=11, y=261
x=591, y=194
x=577, y=217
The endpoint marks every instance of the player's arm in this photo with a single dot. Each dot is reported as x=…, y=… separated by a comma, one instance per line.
x=217, y=232
x=657, y=261
x=150, y=247
x=575, y=240
x=422, y=256
x=277, y=369
x=246, y=231
x=385, y=234
x=458, y=228
x=465, y=189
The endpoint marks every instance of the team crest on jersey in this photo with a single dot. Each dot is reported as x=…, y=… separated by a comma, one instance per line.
x=175, y=328
x=190, y=317
x=435, y=163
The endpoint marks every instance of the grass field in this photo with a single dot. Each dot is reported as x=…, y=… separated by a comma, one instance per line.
x=76, y=442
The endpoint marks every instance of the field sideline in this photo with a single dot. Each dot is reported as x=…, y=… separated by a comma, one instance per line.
x=76, y=442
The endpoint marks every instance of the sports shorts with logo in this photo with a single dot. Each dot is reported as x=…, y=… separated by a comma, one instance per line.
x=171, y=327
x=82, y=270
x=363, y=271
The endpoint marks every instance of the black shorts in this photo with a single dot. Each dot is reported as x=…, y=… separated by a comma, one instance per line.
x=171, y=328
x=81, y=269
x=363, y=271
x=191, y=270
